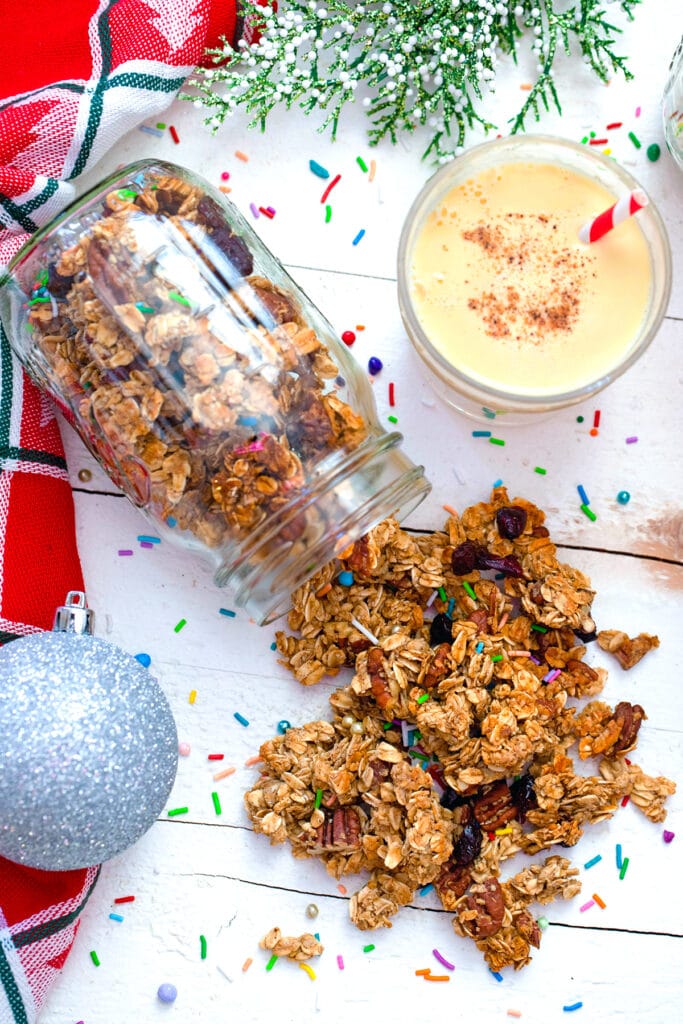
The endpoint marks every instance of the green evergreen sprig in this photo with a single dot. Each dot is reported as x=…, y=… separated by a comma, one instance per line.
x=414, y=63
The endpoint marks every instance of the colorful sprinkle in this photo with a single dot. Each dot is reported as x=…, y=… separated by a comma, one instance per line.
x=374, y=365
x=215, y=757
x=309, y=971
x=600, y=902
x=436, y=977
x=124, y=552
x=328, y=213
x=348, y=337
x=428, y=888
x=192, y=696
x=202, y=946
x=543, y=923
x=393, y=419
x=342, y=889
x=618, y=855
x=631, y=440
x=496, y=657
x=593, y=861
x=115, y=917
x=144, y=659
x=178, y=810
x=625, y=800
x=574, y=1006
x=552, y=675
x=335, y=181
x=481, y=433
x=587, y=906
x=345, y=578
x=224, y=774
x=362, y=164
x=241, y=156
x=340, y=962
x=653, y=152
x=635, y=140
x=369, y=948
x=589, y=513
x=318, y=798
x=318, y=169
x=598, y=142
x=254, y=209
x=392, y=398
x=358, y=237
x=514, y=1013
x=283, y=725
x=174, y=134
x=125, y=899
x=252, y=760
x=423, y=698
x=148, y=130
x=667, y=836
x=583, y=495
x=496, y=974
x=467, y=587
x=540, y=470
x=216, y=803
x=497, y=440
x=615, y=124
x=179, y=625
x=228, y=612
x=624, y=868
x=247, y=964
x=271, y=963
x=366, y=632
x=240, y=718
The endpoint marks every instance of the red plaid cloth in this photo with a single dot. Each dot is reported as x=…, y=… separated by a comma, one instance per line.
x=95, y=70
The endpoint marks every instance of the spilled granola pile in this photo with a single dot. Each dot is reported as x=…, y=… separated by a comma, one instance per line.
x=453, y=747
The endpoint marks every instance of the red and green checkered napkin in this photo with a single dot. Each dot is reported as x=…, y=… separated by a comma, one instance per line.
x=86, y=72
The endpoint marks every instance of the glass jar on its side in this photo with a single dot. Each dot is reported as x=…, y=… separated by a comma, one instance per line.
x=205, y=382
x=672, y=106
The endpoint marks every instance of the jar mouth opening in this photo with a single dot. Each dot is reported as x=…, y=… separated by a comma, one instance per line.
x=535, y=148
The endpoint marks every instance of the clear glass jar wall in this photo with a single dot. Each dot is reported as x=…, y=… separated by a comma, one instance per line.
x=672, y=106
x=209, y=387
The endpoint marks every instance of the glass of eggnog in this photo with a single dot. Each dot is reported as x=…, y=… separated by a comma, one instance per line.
x=509, y=309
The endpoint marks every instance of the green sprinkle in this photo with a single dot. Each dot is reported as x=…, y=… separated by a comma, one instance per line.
x=497, y=440
x=543, y=923
x=540, y=470
x=584, y=140
x=624, y=867
x=392, y=419
x=591, y=135
x=179, y=625
x=442, y=594
x=318, y=798
x=423, y=698
x=653, y=152
x=635, y=140
x=94, y=957
x=496, y=657
x=144, y=309
x=467, y=587
x=160, y=125
x=539, y=629
x=579, y=419
x=202, y=946
x=178, y=810
x=418, y=754
x=362, y=164
x=42, y=278
x=39, y=298
x=179, y=298
x=216, y=803
x=127, y=193
x=387, y=725
x=271, y=963
x=328, y=213
x=589, y=512
x=369, y=948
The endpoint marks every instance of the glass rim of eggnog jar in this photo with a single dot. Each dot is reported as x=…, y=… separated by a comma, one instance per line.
x=482, y=398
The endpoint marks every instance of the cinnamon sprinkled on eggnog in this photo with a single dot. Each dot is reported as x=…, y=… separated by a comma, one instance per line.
x=507, y=293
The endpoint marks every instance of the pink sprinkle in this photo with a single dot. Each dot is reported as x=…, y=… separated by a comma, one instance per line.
x=587, y=906
x=442, y=960
x=668, y=836
x=184, y=749
x=552, y=675
x=125, y=551
x=225, y=176
x=254, y=209
x=342, y=889
x=271, y=211
x=631, y=440
x=637, y=111
x=340, y=963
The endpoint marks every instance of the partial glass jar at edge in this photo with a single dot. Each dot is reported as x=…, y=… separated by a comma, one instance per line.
x=209, y=387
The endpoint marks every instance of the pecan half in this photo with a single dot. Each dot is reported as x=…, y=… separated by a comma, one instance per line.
x=437, y=668
x=481, y=911
x=527, y=928
x=495, y=807
x=628, y=717
x=452, y=883
x=339, y=832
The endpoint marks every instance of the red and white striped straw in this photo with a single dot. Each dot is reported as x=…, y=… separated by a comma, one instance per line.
x=604, y=222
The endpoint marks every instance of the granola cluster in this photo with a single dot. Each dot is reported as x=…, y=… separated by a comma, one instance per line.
x=197, y=382
x=452, y=748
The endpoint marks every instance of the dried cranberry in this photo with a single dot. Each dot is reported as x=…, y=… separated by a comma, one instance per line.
x=441, y=629
x=585, y=637
x=210, y=213
x=509, y=565
x=523, y=795
x=57, y=284
x=450, y=799
x=467, y=846
x=511, y=520
x=235, y=249
x=464, y=558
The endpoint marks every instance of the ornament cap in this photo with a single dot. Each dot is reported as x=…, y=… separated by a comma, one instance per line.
x=74, y=616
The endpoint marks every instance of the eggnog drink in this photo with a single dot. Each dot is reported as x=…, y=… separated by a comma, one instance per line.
x=508, y=295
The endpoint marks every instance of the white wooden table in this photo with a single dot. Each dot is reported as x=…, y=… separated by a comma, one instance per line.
x=200, y=874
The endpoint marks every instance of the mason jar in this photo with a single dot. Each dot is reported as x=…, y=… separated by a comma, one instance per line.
x=205, y=382
x=672, y=106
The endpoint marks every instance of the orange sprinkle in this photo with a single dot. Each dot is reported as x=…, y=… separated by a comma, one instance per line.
x=503, y=620
x=224, y=774
x=514, y=1013
x=594, y=432
x=247, y=964
x=360, y=327
x=449, y=508
x=252, y=760
x=526, y=86
x=436, y=977
x=325, y=589
x=342, y=889
x=224, y=188
x=424, y=970
x=519, y=654
x=241, y=156
x=373, y=168
x=599, y=902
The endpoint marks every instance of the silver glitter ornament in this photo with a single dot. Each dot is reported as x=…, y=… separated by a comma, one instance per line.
x=88, y=746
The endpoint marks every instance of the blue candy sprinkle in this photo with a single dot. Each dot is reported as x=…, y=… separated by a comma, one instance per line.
x=497, y=483
x=240, y=718
x=425, y=889
x=496, y=974
x=283, y=726
x=170, y=521
x=480, y=647
x=623, y=497
x=144, y=538
x=318, y=169
x=574, y=1006
x=144, y=659
x=374, y=365
x=358, y=237
x=167, y=993
x=115, y=917
x=583, y=495
x=345, y=578
x=228, y=612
